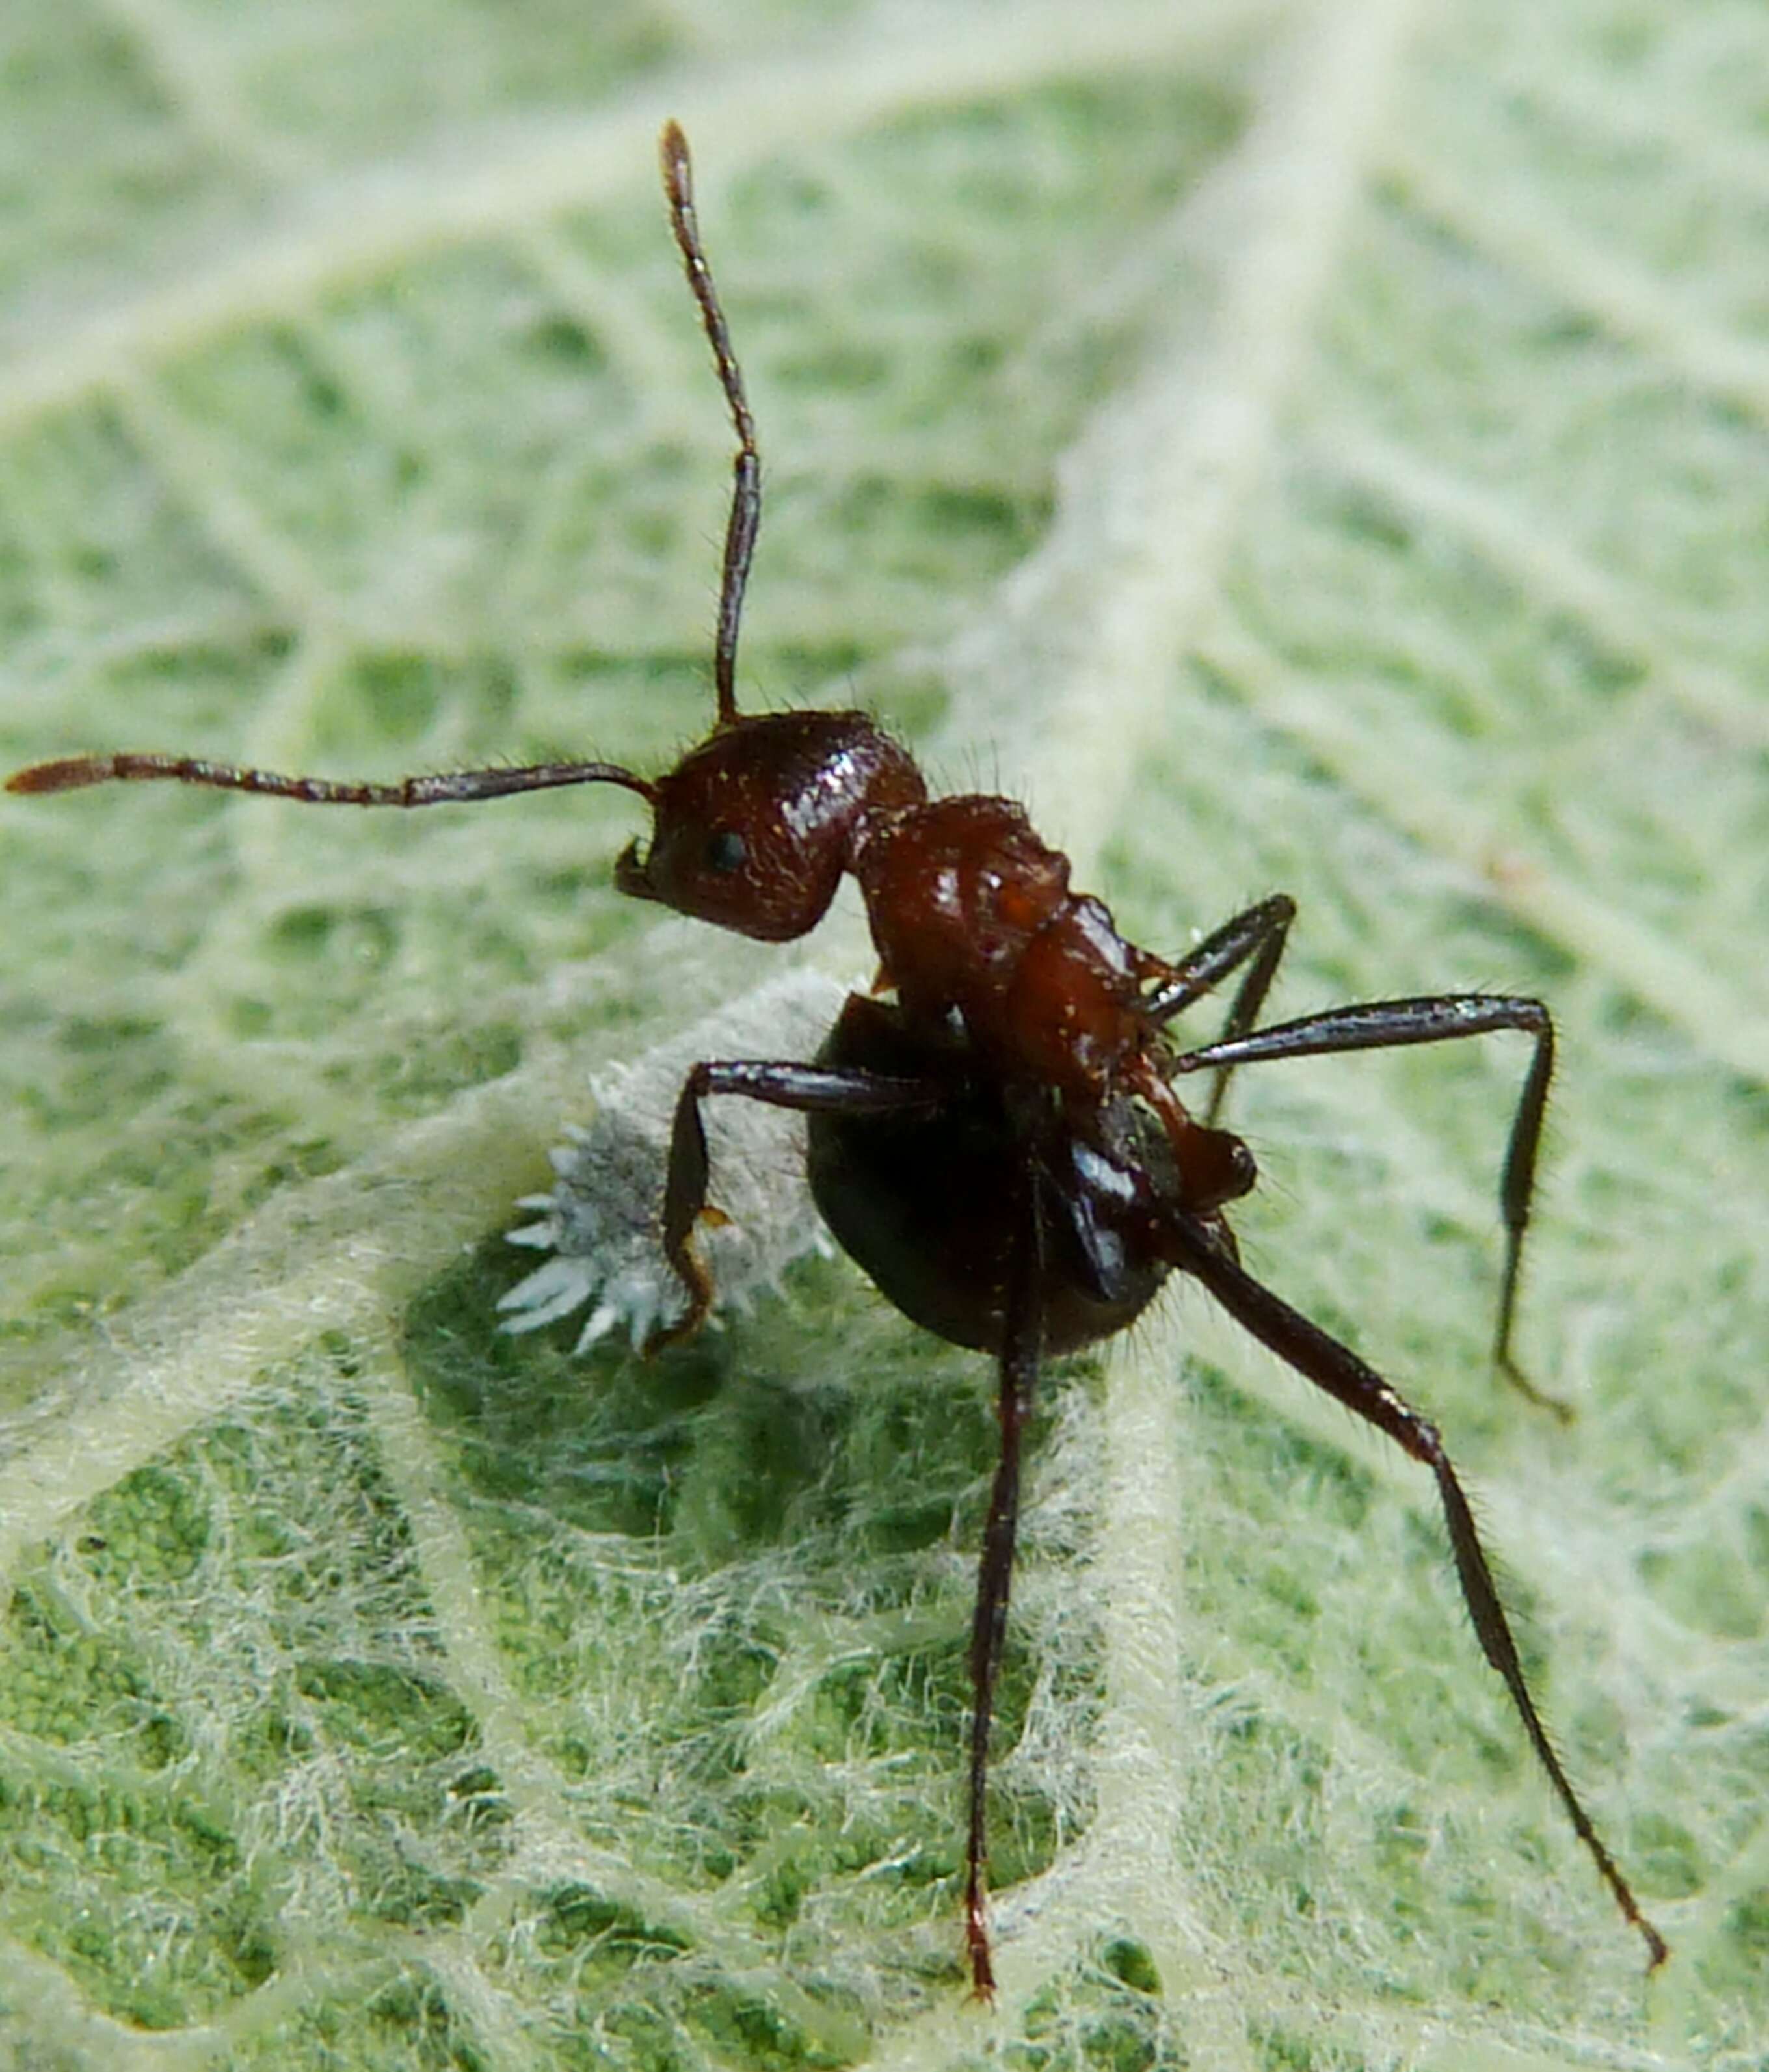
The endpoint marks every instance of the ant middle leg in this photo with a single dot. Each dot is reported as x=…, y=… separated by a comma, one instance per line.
x=1021, y=1348
x=1383, y=1024
x=1319, y=1358
x=809, y=1089
x=1258, y=933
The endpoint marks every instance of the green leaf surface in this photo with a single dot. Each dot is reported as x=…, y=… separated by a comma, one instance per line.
x=1316, y=449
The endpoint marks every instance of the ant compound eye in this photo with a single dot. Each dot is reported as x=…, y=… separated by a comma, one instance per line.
x=726, y=851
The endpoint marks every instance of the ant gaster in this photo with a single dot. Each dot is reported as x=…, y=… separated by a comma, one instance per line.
x=995, y=1135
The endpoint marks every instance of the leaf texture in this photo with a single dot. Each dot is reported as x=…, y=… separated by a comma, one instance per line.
x=1306, y=449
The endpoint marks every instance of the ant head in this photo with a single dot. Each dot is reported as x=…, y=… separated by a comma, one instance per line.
x=753, y=828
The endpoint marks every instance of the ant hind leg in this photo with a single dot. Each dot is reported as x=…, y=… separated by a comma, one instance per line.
x=1320, y=1359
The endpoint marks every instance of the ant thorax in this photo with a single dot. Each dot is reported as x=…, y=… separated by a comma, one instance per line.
x=972, y=912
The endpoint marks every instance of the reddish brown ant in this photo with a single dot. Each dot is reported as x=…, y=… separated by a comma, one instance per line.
x=1000, y=1146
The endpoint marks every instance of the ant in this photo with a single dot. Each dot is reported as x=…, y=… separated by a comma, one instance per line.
x=994, y=1133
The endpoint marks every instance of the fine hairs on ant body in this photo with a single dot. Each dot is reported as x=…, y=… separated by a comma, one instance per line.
x=1000, y=1146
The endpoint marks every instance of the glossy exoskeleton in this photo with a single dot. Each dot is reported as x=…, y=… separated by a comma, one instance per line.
x=995, y=1135
x=925, y=1199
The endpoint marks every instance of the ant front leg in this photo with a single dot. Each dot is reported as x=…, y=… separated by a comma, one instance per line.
x=1259, y=933
x=1386, y=1025
x=1319, y=1358
x=1020, y=1347
x=809, y=1089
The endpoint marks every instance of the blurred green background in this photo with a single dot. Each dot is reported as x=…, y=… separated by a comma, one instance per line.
x=1315, y=448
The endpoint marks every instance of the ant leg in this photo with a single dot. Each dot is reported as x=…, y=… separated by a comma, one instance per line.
x=1384, y=1025
x=810, y=1089
x=1322, y=1359
x=1258, y=933
x=746, y=516
x=1019, y=1360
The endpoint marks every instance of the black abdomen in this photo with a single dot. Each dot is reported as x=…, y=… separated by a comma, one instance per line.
x=924, y=1201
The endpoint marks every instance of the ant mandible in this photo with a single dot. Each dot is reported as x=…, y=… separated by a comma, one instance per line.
x=1000, y=1145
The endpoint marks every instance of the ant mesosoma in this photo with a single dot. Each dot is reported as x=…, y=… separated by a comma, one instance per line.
x=1000, y=1145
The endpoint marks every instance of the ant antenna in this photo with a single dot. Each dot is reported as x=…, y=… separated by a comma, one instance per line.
x=72, y=773
x=747, y=468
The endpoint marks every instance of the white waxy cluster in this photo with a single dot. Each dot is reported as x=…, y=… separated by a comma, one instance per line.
x=601, y=1222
